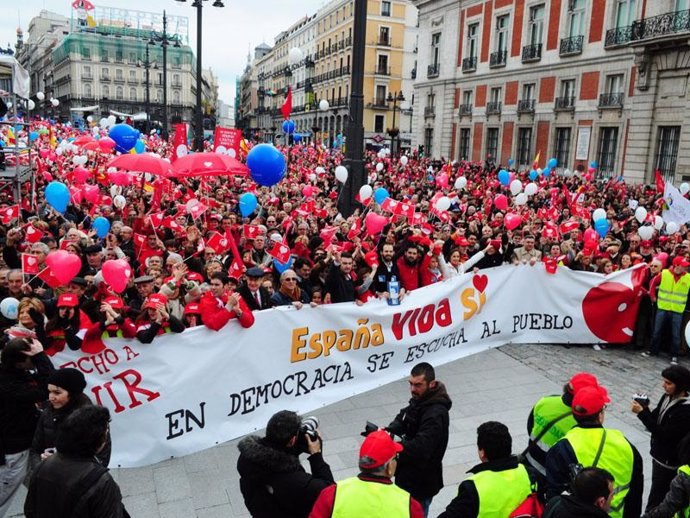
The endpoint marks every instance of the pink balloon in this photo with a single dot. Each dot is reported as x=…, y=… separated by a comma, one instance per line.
x=120, y=178
x=63, y=265
x=44, y=153
x=116, y=272
x=501, y=202
x=91, y=193
x=375, y=223
x=442, y=181
x=512, y=221
x=81, y=174
x=307, y=191
x=106, y=144
x=591, y=235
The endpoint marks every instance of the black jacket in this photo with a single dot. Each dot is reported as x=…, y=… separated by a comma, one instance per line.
x=567, y=506
x=466, y=503
x=265, y=297
x=341, y=288
x=19, y=393
x=274, y=483
x=561, y=456
x=383, y=276
x=423, y=425
x=668, y=430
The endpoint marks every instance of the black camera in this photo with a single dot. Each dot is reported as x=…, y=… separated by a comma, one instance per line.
x=308, y=427
x=369, y=428
x=642, y=399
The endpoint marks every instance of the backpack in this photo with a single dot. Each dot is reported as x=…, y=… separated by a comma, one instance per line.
x=530, y=507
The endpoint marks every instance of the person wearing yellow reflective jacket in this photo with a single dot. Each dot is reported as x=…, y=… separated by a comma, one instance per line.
x=676, y=503
x=498, y=485
x=589, y=444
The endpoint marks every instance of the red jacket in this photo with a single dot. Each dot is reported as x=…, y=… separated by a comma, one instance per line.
x=323, y=507
x=412, y=277
x=215, y=315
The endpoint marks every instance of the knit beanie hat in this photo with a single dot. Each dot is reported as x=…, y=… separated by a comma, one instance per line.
x=72, y=380
x=678, y=375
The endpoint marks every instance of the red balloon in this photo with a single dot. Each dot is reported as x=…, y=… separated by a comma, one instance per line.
x=63, y=265
x=81, y=174
x=116, y=272
x=591, y=235
x=501, y=202
x=91, y=193
x=375, y=223
x=512, y=221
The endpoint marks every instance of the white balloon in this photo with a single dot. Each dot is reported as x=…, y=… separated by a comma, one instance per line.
x=598, y=214
x=672, y=227
x=40, y=96
x=640, y=214
x=515, y=187
x=341, y=173
x=111, y=120
x=379, y=167
x=55, y=102
x=95, y=130
x=687, y=332
x=112, y=169
x=8, y=308
x=365, y=192
x=443, y=203
x=119, y=201
x=114, y=190
x=684, y=188
x=59, y=151
x=89, y=118
x=295, y=55
x=323, y=105
x=312, y=177
x=31, y=104
x=83, y=159
x=521, y=199
x=531, y=189
x=103, y=123
x=320, y=170
x=658, y=222
x=646, y=232
x=403, y=160
x=460, y=183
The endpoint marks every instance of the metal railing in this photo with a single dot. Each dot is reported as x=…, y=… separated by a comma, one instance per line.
x=498, y=58
x=469, y=64
x=382, y=71
x=611, y=100
x=379, y=102
x=571, y=46
x=384, y=41
x=526, y=106
x=493, y=107
x=433, y=70
x=429, y=111
x=565, y=103
x=661, y=25
x=465, y=109
x=531, y=53
x=619, y=36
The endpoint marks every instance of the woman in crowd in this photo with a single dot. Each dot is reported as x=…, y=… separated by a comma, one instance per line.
x=155, y=319
x=64, y=328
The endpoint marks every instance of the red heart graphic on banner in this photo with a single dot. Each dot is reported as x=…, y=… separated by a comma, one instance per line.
x=480, y=282
x=208, y=164
x=31, y=261
x=223, y=242
x=30, y=231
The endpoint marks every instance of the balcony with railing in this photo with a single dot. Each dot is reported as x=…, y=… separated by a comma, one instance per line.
x=611, y=100
x=379, y=103
x=664, y=26
x=565, y=103
x=384, y=41
x=119, y=79
x=531, y=53
x=433, y=70
x=571, y=46
x=464, y=110
x=382, y=71
x=469, y=64
x=493, y=107
x=618, y=36
x=526, y=106
x=429, y=111
x=498, y=58
x=105, y=79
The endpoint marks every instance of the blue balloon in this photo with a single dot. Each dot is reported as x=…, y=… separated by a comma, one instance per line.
x=594, y=164
x=33, y=136
x=288, y=127
x=430, y=177
x=602, y=227
x=553, y=162
x=247, y=204
x=71, y=139
x=546, y=172
x=266, y=165
x=101, y=226
x=504, y=177
x=57, y=195
x=281, y=267
x=380, y=194
x=139, y=147
x=296, y=137
x=125, y=137
x=533, y=175
x=510, y=162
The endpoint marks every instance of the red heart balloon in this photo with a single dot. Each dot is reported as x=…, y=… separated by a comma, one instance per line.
x=375, y=223
x=116, y=272
x=91, y=193
x=501, y=202
x=81, y=174
x=512, y=221
x=591, y=235
x=63, y=265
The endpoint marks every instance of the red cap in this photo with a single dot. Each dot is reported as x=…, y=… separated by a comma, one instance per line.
x=192, y=309
x=461, y=241
x=114, y=302
x=581, y=380
x=591, y=400
x=679, y=260
x=194, y=276
x=646, y=243
x=155, y=299
x=379, y=448
x=68, y=300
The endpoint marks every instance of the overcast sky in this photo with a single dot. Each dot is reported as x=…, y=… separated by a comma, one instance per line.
x=228, y=32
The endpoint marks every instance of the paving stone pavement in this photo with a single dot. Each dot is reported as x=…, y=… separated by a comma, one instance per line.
x=500, y=384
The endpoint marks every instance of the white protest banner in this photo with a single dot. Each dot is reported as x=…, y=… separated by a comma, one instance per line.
x=190, y=391
x=678, y=206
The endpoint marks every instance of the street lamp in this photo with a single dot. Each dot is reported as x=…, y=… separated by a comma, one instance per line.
x=147, y=65
x=393, y=132
x=199, y=116
x=165, y=39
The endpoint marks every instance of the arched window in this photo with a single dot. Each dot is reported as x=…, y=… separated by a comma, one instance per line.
x=132, y=94
x=119, y=93
x=87, y=90
x=176, y=97
x=106, y=91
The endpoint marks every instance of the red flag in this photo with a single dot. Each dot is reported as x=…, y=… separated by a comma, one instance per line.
x=251, y=231
x=404, y=209
x=390, y=205
x=218, y=242
x=660, y=184
x=33, y=235
x=47, y=276
x=286, y=109
x=280, y=252
x=356, y=229
x=372, y=259
x=157, y=219
x=237, y=267
x=9, y=213
x=29, y=264
x=139, y=240
x=180, y=148
x=197, y=210
x=173, y=225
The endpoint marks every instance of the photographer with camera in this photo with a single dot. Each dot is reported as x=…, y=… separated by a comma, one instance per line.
x=669, y=422
x=272, y=479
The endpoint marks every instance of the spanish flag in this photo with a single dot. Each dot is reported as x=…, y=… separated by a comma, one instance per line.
x=535, y=164
x=11, y=140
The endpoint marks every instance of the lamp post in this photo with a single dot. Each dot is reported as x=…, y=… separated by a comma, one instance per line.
x=147, y=65
x=393, y=132
x=165, y=39
x=199, y=115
